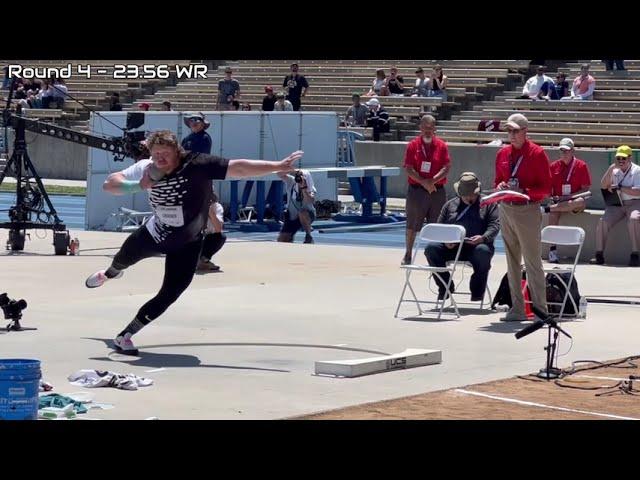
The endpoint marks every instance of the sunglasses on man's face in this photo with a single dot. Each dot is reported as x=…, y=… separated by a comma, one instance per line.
x=622, y=159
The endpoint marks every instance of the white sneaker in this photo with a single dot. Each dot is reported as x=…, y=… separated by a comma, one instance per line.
x=553, y=257
x=124, y=344
x=98, y=279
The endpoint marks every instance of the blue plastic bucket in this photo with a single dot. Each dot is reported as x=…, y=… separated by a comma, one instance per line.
x=19, y=384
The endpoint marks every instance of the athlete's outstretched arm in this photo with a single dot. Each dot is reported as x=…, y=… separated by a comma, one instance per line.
x=256, y=168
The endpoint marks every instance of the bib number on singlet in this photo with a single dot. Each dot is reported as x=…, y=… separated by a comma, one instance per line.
x=171, y=216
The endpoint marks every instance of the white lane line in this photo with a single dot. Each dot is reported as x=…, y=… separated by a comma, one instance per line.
x=541, y=405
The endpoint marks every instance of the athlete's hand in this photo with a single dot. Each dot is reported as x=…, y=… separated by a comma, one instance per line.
x=287, y=165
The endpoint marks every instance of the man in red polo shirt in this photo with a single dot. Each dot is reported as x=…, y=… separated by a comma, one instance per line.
x=427, y=163
x=569, y=175
x=524, y=167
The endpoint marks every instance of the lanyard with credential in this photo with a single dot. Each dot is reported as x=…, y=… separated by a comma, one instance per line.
x=624, y=176
x=573, y=164
x=426, y=157
x=516, y=167
x=462, y=214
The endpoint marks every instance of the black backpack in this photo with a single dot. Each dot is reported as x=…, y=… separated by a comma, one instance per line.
x=555, y=292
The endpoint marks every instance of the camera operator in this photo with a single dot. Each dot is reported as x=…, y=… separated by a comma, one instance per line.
x=300, y=212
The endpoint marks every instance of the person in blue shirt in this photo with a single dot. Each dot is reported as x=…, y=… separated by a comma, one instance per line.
x=198, y=141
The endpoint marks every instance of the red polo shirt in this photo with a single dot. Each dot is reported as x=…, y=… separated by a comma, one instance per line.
x=427, y=160
x=575, y=174
x=533, y=173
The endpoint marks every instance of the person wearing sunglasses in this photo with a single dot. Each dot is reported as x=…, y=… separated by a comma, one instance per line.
x=624, y=176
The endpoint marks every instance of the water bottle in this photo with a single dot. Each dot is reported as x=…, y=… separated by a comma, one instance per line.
x=583, y=307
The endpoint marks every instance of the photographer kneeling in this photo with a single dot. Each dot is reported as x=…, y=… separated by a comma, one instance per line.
x=301, y=211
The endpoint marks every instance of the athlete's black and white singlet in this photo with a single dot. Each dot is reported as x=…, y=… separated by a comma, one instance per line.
x=180, y=201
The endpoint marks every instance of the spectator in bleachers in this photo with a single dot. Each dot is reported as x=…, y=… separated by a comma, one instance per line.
x=295, y=83
x=6, y=80
x=569, y=176
x=114, y=102
x=438, y=83
x=583, y=85
x=46, y=94
x=356, y=113
x=235, y=105
x=533, y=88
x=20, y=93
x=59, y=93
x=624, y=176
x=282, y=104
x=198, y=140
x=378, y=119
x=269, y=99
x=166, y=106
x=379, y=86
x=421, y=88
x=556, y=90
x=427, y=164
x=228, y=91
x=395, y=83
x=144, y=107
x=609, y=65
x=246, y=107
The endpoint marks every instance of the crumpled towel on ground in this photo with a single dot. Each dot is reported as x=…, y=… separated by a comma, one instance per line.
x=105, y=378
x=59, y=401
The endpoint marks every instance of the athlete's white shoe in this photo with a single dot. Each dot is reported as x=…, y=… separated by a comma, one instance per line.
x=97, y=279
x=124, y=344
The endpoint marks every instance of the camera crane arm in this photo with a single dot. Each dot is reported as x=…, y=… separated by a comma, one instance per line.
x=121, y=147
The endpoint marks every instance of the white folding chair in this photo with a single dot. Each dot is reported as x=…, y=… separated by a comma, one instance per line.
x=487, y=291
x=572, y=236
x=441, y=233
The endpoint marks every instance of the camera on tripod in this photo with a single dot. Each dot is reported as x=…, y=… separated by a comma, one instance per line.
x=12, y=310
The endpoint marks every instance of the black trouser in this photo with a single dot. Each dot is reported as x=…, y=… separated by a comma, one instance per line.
x=179, y=269
x=295, y=103
x=212, y=243
x=619, y=64
x=479, y=256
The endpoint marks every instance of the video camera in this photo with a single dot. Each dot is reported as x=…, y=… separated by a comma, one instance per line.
x=12, y=308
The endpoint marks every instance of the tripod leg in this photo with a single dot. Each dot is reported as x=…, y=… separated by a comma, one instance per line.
x=31, y=170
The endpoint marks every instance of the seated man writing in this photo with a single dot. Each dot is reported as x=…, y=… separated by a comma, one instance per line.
x=482, y=226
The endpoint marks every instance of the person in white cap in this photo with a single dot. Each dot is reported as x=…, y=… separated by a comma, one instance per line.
x=523, y=166
x=378, y=118
x=569, y=176
x=198, y=140
x=624, y=176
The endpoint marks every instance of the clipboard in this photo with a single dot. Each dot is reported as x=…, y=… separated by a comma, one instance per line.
x=611, y=199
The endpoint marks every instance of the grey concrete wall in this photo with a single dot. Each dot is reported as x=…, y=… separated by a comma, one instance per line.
x=479, y=159
x=53, y=158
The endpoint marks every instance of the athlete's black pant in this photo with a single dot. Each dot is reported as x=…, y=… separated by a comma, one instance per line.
x=179, y=269
x=212, y=243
